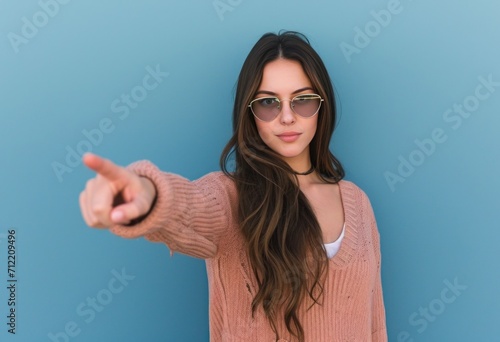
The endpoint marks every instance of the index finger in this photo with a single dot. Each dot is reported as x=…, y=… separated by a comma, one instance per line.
x=103, y=166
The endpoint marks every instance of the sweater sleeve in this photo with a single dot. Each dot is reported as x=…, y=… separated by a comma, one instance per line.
x=379, y=330
x=189, y=217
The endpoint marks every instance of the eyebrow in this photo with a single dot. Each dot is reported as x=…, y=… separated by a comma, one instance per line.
x=293, y=93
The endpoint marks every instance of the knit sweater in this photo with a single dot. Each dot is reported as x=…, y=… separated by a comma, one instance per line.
x=199, y=218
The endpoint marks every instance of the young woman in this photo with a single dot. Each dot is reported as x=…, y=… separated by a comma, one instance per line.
x=292, y=250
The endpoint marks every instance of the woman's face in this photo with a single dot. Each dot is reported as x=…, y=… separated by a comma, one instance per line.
x=288, y=134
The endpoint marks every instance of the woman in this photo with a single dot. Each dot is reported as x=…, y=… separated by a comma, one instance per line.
x=292, y=250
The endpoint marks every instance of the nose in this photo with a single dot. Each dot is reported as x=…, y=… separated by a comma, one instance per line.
x=287, y=116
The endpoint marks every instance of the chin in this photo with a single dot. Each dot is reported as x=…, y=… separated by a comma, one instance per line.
x=290, y=153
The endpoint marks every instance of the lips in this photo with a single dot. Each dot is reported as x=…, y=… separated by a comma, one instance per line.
x=289, y=136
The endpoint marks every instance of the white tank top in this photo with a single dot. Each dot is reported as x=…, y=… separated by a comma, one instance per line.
x=333, y=247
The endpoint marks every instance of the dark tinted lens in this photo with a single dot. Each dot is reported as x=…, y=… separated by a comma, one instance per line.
x=266, y=108
x=306, y=105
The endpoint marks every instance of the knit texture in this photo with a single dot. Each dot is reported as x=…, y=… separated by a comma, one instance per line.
x=199, y=218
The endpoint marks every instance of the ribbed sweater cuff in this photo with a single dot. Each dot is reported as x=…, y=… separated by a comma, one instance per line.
x=162, y=207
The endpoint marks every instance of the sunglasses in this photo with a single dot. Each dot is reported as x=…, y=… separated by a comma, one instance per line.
x=268, y=108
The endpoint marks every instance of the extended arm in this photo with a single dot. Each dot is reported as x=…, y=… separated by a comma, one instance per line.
x=140, y=200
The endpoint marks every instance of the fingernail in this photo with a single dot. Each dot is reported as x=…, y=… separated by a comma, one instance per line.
x=117, y=216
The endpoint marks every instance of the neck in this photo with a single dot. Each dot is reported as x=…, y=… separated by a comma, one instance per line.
x=303, y=168
x=301, y=164
x=305, y=173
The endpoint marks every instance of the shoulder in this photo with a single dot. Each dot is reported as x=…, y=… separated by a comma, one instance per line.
x=220, y=186
x=349, y=188
x=356, y=200
x=358, y=208
x=216, y=179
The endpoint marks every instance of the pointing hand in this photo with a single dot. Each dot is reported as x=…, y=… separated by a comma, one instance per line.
x=115, y=195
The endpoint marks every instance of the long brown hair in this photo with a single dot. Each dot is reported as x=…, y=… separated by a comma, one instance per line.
x=284, y=239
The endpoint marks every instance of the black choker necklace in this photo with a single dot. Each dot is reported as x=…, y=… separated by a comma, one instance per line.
x=305, y=173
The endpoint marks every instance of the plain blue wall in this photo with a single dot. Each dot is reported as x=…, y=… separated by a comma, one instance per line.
x=402, y=70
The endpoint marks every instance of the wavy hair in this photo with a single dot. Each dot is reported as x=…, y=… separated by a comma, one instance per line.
x=283, y=237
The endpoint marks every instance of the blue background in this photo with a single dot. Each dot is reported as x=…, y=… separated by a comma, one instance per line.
x=439, y=226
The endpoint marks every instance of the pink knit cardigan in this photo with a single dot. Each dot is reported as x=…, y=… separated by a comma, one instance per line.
x=199, y=218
